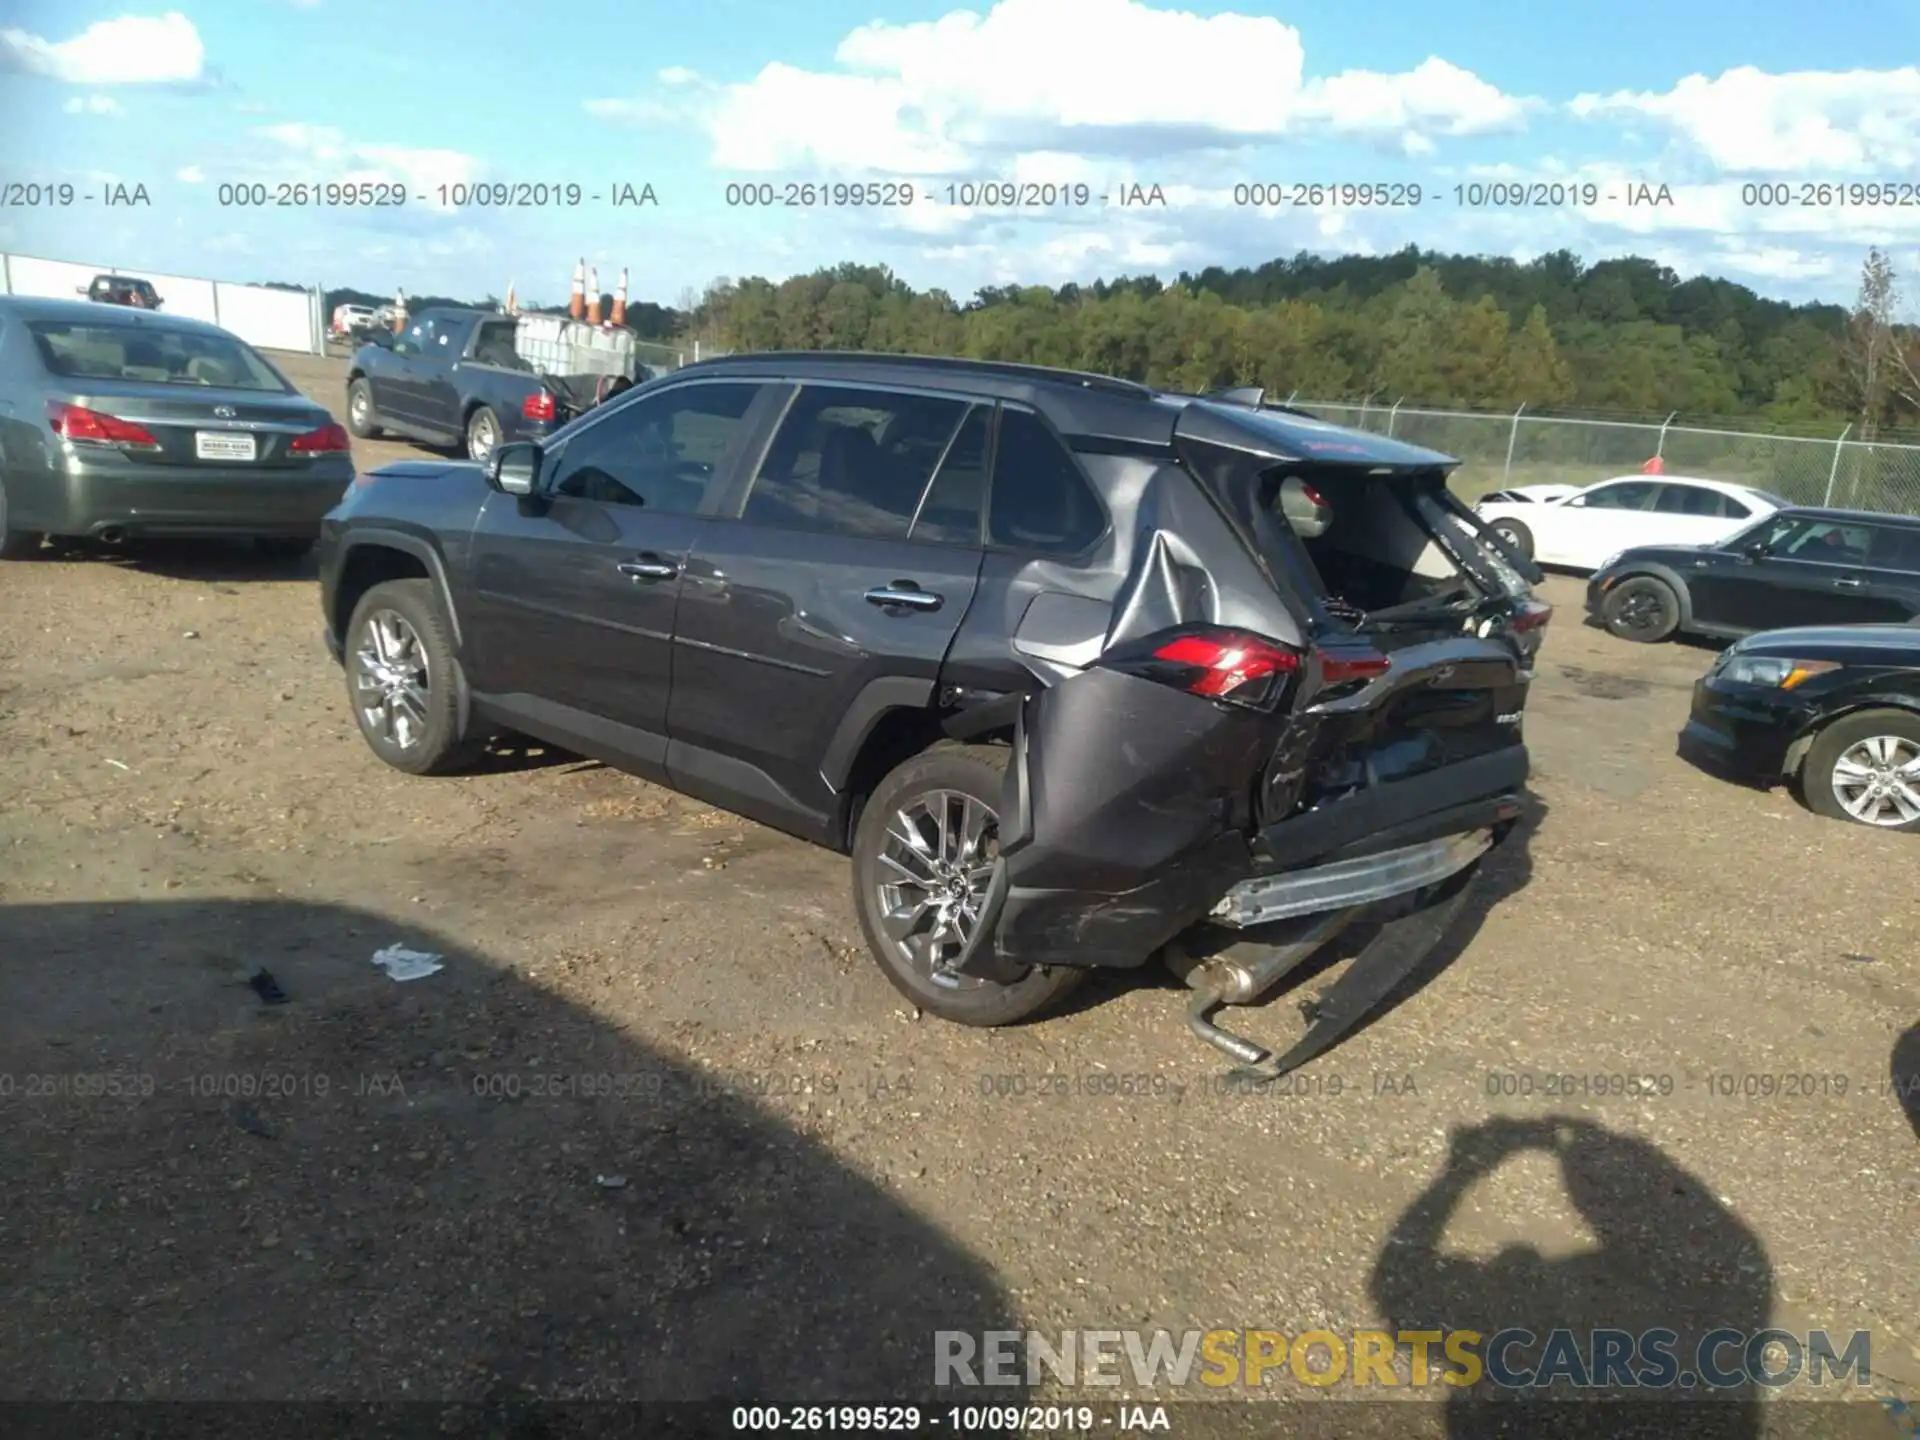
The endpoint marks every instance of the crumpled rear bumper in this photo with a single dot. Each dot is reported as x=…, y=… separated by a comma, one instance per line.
x=1127, y=820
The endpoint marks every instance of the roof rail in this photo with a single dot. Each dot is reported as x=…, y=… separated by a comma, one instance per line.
x=1040, y=374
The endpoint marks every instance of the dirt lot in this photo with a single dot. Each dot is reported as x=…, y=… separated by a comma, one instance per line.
x=409, y=1190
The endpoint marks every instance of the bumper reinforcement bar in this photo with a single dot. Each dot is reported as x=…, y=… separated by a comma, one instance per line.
x=1348, y=883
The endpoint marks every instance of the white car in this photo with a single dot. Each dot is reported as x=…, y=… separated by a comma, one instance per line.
x=1583, y=529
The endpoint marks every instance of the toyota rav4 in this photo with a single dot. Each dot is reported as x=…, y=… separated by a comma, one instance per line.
x=1071, y=668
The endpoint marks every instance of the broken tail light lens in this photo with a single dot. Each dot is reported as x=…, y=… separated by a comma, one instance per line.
x=1235, y=666
x=538, y=406
x=327, y=440
x=91, y=427
x=1532, y=616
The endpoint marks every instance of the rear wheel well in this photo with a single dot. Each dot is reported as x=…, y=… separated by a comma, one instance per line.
x=353, y=375
x=897, y=736
x=365, y=567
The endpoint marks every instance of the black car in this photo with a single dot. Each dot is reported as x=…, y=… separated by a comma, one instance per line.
x=1798, y=566
x=1066, y=664
x=1835, y=710
x=120, y=424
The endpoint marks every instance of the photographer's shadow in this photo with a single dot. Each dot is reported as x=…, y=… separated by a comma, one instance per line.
x=1668, y=1256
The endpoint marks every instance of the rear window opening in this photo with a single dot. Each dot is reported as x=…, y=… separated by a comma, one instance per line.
x=1378, y=551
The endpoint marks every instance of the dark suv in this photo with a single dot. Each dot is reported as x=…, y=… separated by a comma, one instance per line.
x=1066, y=664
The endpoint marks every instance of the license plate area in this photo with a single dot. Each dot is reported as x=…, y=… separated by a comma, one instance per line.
x=224, y=445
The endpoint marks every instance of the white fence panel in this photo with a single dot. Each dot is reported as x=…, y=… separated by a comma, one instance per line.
x=271, y=319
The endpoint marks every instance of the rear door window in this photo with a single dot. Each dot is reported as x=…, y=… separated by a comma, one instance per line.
x=855, y=462
x=951, y=509
x=1894, y=548
x=1042, y=502
x=1628, y=495
x=1698, y=501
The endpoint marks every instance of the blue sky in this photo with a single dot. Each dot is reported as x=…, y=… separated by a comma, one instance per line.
x=217, y=101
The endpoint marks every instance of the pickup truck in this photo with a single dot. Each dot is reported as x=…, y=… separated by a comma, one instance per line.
x=463, y=378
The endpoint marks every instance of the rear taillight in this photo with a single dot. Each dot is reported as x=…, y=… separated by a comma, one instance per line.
x=1532, y=616
x=90, y=427
x=327, y=440
x=538, y=406
x=1221, y=664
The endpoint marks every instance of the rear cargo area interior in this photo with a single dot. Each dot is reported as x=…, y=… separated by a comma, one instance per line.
x=1375, y=553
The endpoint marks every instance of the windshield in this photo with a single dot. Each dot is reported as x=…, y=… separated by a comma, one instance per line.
x=102, y=350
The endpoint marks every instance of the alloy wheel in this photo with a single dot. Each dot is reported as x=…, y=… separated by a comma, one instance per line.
x=391, y=679
x=1642, y=610
x=359, y=406
x=481, y=437
x=935, y=863
x=1877, y=780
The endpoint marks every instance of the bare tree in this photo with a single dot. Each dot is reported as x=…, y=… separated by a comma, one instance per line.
x=1871, y=353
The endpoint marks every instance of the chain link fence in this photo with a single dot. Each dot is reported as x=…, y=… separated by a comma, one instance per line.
x=1496, y=451
x=662, y=356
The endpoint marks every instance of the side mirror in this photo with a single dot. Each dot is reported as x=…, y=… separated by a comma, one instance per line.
x=1755, y=550
x=514, y=469
x=1574, y=502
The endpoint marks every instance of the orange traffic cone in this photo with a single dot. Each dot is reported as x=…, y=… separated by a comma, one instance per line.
x=577, y=304
x=593, y=296
x=399, y=311
x=620, y=299
x=509, y=306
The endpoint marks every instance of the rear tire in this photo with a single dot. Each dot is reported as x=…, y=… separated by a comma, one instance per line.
x=949, y=796
x=1518, y=537
x=403, y=680
x=483, y=433
x=362, y=419
x=1845, y=757
x=1642, y=609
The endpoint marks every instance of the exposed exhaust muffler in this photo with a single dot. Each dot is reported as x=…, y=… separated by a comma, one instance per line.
x=1244, y=973
x=111, y=535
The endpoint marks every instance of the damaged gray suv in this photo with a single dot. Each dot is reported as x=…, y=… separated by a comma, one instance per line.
x=1073, y=669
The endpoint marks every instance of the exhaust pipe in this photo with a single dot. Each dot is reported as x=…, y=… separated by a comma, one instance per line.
x=1244, y=974
x=111, y=535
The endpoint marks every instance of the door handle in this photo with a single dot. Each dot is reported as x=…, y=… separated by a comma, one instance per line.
x=1848, y=584
x=648, y=567
x=906, y=593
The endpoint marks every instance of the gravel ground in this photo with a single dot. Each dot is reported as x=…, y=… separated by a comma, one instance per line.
x=659, y=1129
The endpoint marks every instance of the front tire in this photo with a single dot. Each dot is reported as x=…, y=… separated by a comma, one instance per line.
x=362, y=419
x=404, y=682
x=1517, y=536
x=924, y=853
x=1642, y=609
x=1865, y=768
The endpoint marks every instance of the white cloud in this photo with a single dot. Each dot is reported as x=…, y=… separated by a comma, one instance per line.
x=130, y=50
x=307, y=147
x=1813, y=123
x=1113, y=76
x=93, y=105
x=190, y=175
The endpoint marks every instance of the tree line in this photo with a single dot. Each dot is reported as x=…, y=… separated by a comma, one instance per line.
x=1623, y=337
